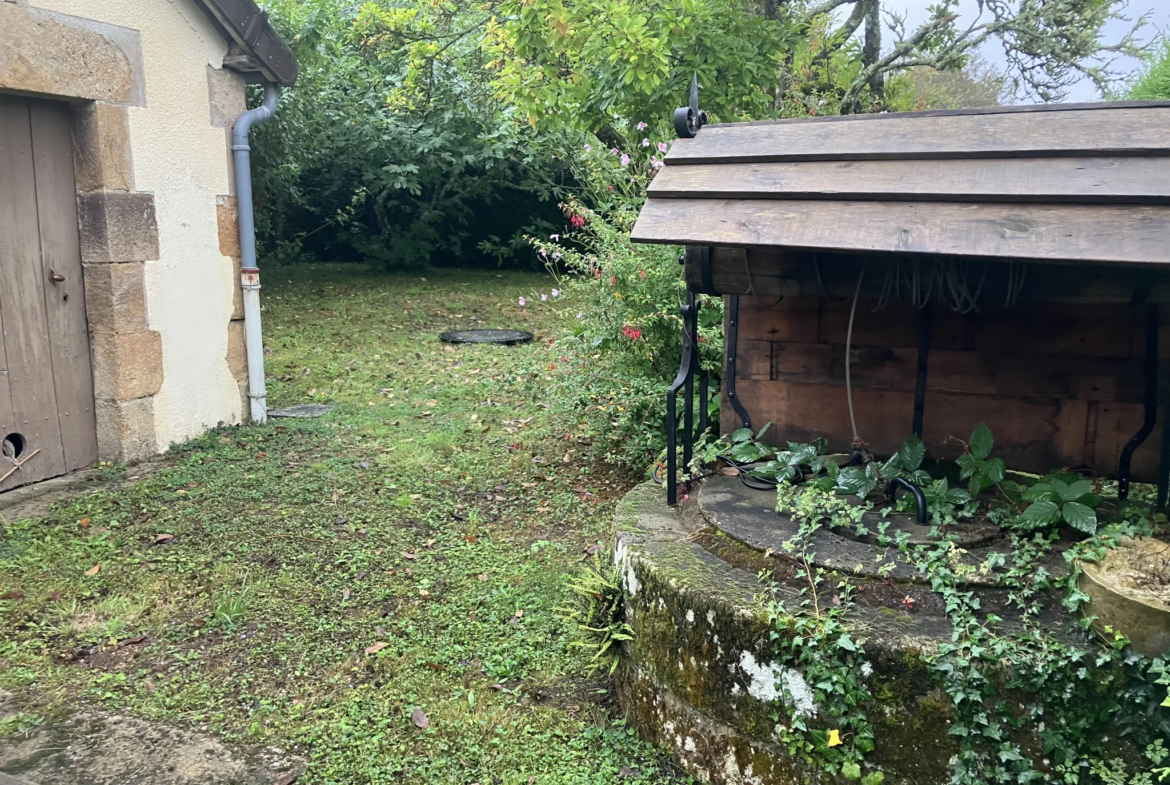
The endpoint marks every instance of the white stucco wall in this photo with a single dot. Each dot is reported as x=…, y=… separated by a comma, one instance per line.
x=183, y=160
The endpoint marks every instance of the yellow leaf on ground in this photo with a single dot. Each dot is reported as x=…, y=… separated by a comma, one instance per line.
x=835, y=738
x=94, y=570
x=377, y=647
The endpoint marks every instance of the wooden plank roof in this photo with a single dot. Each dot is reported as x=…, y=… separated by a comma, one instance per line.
x=1078, y=182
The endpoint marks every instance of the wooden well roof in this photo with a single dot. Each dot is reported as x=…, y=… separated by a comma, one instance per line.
x=1076, y=182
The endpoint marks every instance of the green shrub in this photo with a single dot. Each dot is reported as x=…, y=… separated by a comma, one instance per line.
x=623, y=300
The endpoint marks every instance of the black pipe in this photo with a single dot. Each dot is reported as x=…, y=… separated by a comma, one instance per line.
x=919, y=499
x=925, y=322
x=732, y=343
x=1151, y=403
x=686, y=371
x=1164, y=466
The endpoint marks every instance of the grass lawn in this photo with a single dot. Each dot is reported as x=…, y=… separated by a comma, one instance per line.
x=311, y=584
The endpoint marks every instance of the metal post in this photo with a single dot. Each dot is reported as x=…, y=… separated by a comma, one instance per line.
x=1151, y=403
x=925, y=323
x=732, y=341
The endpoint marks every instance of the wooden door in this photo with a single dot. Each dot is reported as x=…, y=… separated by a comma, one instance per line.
x=47, y=424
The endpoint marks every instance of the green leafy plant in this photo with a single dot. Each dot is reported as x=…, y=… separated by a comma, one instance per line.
x=1058, y=499
x=598, y=610
x=976, y=464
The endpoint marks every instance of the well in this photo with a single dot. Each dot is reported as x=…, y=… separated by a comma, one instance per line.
x=886, y=277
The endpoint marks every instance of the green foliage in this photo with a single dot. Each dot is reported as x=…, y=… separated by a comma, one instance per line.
x=391, y=147
x=601, y=65
x=1059, y=499
x=623, y=302
x=1154, y=80
x=599, y=612
x=976, y=465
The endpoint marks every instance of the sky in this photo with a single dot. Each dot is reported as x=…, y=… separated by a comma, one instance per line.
x=916, y=13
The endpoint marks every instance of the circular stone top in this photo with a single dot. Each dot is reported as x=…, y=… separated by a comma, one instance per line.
x=506, y=337
x=749, y=516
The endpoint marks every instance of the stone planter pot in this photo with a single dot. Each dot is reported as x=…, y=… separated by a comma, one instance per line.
x=1121, y=598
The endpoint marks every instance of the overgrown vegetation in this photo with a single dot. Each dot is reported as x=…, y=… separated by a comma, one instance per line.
x=437, y=133
x=310, y=583
x=1027, y=702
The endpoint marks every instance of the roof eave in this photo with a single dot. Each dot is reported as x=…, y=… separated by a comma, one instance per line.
x=257, y=48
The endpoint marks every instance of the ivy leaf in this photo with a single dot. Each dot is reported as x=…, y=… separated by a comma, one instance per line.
x=1076, y=490
x=742, y=435
x=846, y=643
x=873, y=778
x=851, y=770
x=1080, y=517
x=981, y=441
x=835, y=738
x=1042, y=513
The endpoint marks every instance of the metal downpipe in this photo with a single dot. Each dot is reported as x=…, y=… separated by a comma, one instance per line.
x=249, y=272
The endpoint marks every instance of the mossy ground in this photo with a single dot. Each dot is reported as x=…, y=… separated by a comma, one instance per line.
x=432, y=517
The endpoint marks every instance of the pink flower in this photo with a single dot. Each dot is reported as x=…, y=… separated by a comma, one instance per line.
x=543, y=252
x=556, y=254
x=522, y=302
x=645, y=142
x=588, y=148
x=642, y=274
x=614, y=150
x=657, y=164
x=613, y=279
x=554, y=237
x=641, y=126
x=554, y=157
x=625, y=160
x=662, y=148
x=556, y=292
x=544, y=298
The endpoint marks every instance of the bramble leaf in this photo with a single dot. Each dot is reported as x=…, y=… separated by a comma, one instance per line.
x=982, y=441
x=1080, y=517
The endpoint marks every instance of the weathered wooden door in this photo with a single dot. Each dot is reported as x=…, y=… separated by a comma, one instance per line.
x=47, y=424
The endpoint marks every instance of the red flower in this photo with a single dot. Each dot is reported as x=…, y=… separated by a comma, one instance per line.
x=613, y=279
x=631, y=333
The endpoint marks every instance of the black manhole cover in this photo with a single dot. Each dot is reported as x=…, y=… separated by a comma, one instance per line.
x=506, y=337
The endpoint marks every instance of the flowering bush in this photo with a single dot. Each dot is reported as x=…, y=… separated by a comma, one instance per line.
x=623, y=300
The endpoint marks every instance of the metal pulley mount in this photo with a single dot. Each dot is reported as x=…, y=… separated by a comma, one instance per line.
x=689, y=119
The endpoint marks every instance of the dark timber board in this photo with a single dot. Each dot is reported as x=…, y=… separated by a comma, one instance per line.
x=65, y=300
x=46, y=392
x=1105, y=234
x=1094, y=180
x=1142, y=131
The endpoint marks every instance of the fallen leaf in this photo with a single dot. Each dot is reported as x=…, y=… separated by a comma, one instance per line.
x=730, y=471
x=519, y=614
x=160, y=539
x=431, y=542
x=287, y=779
x=14, y=594
x=626, y=771
x=835, y=738
x=83, y=522
x=483, y=576
x=409, y=555
x=377, y=647
x=424, y=593
x=345, y=593
x=94, y=570
x=420, y=719
x=149, y=685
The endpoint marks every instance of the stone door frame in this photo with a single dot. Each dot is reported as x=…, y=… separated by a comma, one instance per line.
x=98, y=69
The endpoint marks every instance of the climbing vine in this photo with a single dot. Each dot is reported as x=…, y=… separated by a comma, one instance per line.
x=1029, y=702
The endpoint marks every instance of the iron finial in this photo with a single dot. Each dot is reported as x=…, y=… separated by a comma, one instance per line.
x=689, y=119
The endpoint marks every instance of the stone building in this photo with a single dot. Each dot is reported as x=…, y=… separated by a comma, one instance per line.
x=120, y=300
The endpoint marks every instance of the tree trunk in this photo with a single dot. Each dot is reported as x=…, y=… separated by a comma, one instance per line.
x=872, y=49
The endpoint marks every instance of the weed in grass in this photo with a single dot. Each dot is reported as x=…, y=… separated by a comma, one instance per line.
x=447, y=454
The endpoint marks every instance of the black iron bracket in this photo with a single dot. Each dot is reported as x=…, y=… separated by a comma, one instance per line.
x=919, y=498
x=1151, y=405
x=690, y=370
x=689, y=119
x=925, y=323
x=732, y=344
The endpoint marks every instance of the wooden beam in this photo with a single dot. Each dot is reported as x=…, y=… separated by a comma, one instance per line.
x=1095, y=180
x=1079, y=132
x=1107, y=234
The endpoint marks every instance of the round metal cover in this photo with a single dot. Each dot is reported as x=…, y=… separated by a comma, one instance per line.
x=506, y=337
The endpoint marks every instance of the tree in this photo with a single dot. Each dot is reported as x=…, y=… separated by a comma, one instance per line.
x=922, y=87
x=595, y=60
x=1153, y=81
